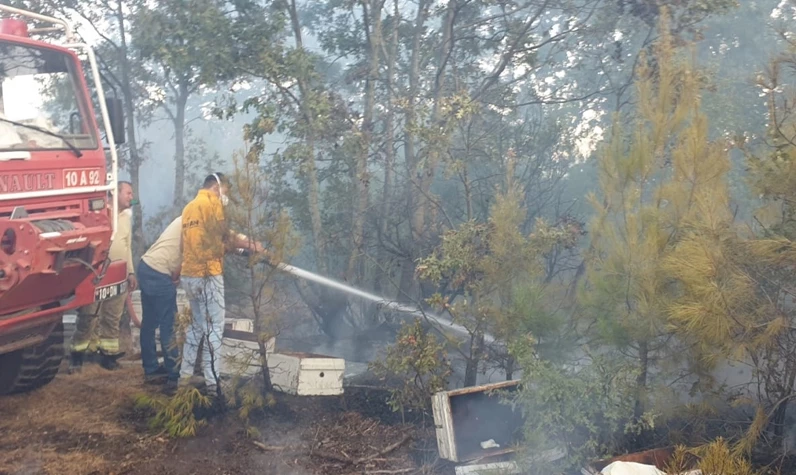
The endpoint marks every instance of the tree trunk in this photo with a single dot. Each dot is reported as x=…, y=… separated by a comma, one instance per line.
x=371, y=13
x=641, y=379
x=179, y=144
x=468, y=194
x=313, y=186
x=510, y=363
x=408, y=286
x=133, y=165
x=778, y=421
x=424, y=171
x=135, y=159
x=389, y=147
x=327, y=307
x=476, y=353
x=267, y=387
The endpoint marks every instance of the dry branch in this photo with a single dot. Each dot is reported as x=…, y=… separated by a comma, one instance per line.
x=386, y=451
x=332, y=456
x=402, y=470
x=348, y=460
x=268, y=448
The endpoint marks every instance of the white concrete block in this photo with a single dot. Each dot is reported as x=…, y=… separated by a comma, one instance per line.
x=306, y=374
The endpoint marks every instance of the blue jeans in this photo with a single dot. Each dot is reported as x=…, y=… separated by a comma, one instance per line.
x=158, y=305
x=206, y=296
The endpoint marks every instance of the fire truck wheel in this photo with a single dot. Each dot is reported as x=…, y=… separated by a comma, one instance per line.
x=32, y=368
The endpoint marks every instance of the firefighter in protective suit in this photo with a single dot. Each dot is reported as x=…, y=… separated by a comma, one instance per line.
x=98, y=323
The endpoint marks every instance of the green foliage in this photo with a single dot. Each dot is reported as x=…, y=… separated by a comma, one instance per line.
x=250, y=402
x=175, y=415
x=772, y=168
x=254, y=213
x=419, y=363
x=419, y=121
x=345, y=126
x=497, y=270
x=659, y=179
x=254, y=283
x=190, y=39
x=736, y=285
x=686, y=14
x=492, y=264
x=720, y=309
x=583, y=409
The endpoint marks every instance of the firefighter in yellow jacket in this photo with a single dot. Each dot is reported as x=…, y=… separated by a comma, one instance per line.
x=98, y=323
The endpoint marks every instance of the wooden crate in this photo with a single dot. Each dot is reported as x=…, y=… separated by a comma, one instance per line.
x=464, y=418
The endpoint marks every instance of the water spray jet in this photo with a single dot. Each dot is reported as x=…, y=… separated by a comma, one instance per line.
x=444, y=323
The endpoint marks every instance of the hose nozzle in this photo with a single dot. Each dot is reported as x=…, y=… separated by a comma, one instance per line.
x=261, y=258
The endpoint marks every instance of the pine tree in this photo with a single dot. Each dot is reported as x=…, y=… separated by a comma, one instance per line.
x=737, y=290
x=499, y=272
x=657, y=179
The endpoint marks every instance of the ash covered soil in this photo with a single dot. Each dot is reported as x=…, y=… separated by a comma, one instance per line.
x=87, y=424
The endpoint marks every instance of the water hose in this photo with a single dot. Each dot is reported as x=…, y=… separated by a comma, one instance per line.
x=444, y=323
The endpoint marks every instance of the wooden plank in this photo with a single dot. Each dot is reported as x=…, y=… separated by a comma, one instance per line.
x=509, y=467
x=239, y=335
x=484, y=388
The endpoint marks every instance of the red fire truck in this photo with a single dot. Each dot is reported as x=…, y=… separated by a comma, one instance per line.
x=58, y=211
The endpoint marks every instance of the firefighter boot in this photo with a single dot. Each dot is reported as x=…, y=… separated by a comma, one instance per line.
x=110, y=362
x=76, y=362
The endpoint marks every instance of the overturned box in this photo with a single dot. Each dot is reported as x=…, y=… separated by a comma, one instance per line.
x=474, y=423
x=306, y=374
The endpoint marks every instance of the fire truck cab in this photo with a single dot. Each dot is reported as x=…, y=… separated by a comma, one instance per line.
x=58, y=210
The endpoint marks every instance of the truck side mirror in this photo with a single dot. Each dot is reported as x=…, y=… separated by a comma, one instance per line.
x=116, y=115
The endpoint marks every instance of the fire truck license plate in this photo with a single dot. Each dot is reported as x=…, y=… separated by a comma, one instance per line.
x=78, y=177
x=109, y=291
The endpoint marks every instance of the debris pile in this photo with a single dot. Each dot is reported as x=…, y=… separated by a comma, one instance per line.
x=355, y=444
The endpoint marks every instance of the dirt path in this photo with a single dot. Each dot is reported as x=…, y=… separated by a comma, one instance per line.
x=87, y=424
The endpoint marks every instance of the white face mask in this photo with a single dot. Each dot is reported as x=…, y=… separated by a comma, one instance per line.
x=224, y=198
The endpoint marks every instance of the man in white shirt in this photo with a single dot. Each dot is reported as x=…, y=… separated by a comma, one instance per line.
x=158, y=276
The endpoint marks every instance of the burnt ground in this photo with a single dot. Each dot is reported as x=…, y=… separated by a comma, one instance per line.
x=87, y=424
